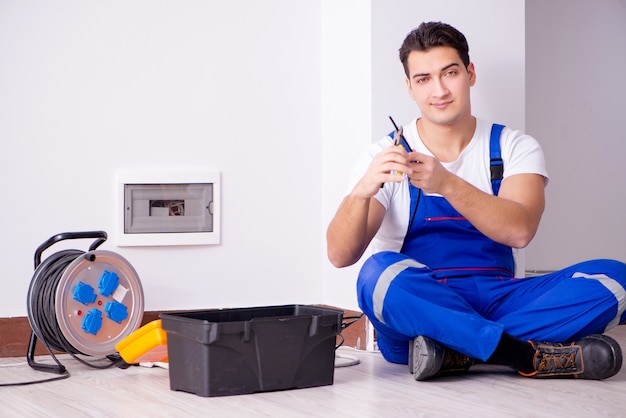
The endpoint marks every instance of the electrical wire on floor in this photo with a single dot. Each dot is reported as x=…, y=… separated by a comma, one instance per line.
x=346, y=360
x=65, y=375
x=34, y=382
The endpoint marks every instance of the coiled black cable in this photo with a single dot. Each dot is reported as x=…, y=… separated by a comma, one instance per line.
x=41, y=301
x=42, y=311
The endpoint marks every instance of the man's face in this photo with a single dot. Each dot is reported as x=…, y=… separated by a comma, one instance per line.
x=440, y=84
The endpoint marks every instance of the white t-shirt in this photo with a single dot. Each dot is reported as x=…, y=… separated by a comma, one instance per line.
x=521, y=154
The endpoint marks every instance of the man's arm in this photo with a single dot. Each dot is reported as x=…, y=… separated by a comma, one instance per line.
x=511, y=218
x=356, y=222
x=360, y=215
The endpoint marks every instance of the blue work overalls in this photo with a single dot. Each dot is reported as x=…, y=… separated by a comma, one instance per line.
x=451, y=283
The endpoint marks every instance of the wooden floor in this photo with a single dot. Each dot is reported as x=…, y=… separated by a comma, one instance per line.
x=373, y=388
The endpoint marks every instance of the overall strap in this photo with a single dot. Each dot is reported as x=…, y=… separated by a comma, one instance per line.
x=495, y=155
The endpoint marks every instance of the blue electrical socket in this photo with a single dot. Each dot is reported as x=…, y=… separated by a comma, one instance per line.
x=84, y=293
x=92, y=322
x=116, y=311
x=108, y=283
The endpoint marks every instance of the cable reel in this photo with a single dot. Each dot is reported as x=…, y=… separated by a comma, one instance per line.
x=82, y=302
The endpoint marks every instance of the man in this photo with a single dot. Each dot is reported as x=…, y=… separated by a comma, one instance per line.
x=440, y=288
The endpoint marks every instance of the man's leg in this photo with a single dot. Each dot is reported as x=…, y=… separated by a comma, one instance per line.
x=562, y=316
x=397, y=293
x=403, y=299
x=587, y=298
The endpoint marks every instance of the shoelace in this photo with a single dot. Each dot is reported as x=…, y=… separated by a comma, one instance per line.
x=557, y=361
x=455, y=360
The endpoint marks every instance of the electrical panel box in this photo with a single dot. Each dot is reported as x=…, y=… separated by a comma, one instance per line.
x=168, y=208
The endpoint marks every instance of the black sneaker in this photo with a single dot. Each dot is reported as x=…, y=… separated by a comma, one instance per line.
x=594, y=357
x=429, y=359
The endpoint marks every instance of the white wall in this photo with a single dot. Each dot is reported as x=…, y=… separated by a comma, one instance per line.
x=575, y=108
x=248, y=88
x=90, y=87
x=346, y=127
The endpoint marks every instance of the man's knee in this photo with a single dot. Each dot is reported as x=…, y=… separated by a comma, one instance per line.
x=616, y=270
x=374, y=267
x=613, y=269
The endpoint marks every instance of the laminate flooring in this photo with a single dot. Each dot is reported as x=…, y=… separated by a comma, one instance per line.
x=373, y=388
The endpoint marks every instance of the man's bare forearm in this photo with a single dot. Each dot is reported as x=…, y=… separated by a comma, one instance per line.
x=347, y=232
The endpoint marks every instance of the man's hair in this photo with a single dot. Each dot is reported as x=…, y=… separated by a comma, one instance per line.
x=430, y=35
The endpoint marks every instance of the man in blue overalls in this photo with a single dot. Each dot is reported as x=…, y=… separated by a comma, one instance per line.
x=456, y=199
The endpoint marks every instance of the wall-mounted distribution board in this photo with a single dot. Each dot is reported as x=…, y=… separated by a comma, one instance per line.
x=168, y=208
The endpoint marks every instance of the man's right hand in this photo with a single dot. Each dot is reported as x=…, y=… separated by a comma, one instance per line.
x=359, y=216
x=389, y=165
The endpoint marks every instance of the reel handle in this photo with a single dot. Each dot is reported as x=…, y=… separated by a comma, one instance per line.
x=100, y=237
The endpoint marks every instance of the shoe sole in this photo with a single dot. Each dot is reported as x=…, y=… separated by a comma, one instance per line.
x=424, y=358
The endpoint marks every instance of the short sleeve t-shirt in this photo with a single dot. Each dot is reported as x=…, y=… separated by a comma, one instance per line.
x=521, y=154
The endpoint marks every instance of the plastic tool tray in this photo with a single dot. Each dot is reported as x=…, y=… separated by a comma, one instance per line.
x=239, y=351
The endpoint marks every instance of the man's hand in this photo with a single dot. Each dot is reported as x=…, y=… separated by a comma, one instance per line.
x=427, y=173
x=359, y=216
x=387, y=166
x=511, y=218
